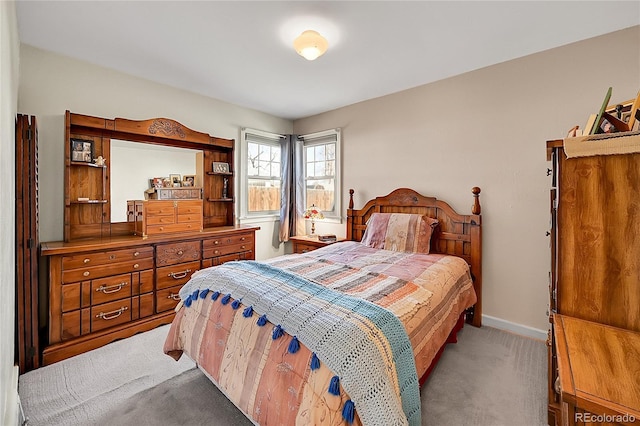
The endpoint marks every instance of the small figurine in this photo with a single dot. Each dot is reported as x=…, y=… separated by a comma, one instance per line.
x=225, y=187
x=100, y=161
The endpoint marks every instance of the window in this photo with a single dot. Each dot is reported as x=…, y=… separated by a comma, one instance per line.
x=261, y=173
x=322, y=172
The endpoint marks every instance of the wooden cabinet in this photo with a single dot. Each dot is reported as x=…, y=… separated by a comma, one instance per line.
x=303, y=243
x=595, y=254
x=107, y=289
x=167, y=216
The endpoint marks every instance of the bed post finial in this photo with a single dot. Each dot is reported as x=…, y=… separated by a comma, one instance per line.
x=351, y=198
x=476, y=202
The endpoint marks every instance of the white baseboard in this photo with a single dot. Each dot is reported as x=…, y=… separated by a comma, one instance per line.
x=12, y=414
x=523, y=330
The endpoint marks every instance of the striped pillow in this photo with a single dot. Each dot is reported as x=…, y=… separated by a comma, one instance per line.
x=399, y=232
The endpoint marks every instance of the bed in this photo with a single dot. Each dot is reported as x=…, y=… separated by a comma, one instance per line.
x=347, y=333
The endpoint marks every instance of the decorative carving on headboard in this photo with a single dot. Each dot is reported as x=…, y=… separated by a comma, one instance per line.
x=167, y=127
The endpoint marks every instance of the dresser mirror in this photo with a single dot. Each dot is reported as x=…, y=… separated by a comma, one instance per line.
x=134, y=163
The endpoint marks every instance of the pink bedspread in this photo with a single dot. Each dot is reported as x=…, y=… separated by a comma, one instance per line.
x=274, y=387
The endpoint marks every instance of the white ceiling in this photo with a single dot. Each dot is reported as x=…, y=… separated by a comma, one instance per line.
x=241, y=51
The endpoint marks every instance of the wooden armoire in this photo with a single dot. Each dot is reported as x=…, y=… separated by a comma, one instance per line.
x=594, y=340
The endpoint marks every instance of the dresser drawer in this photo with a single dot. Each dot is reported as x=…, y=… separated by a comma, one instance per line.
x=105, y=258
x=110, y=314
x=160, y=220
x=89, y=273
x=190, y=208
x=224, y=250
x=215, y=261
x=159, y=208
x=167, y=299
x=304, y=248
x=190, y=218
x=170, y=276
x=226, y=240
x=109, y=289
x=170, y=254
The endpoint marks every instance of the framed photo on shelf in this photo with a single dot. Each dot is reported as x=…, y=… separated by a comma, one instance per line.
x=82, y=150
x=189, y=180
x=176, y=180
x=157, y=182
x=220, y=167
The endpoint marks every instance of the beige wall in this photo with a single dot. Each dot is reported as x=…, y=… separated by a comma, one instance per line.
x=488, y=128
x=51, y=84
x=9, y=64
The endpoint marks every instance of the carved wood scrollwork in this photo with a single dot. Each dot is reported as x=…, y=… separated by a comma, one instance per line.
x=167, y=127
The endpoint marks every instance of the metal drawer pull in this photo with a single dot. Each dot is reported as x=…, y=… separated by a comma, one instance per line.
x=216, y=242
x=179, y=275
x=106, y=289
x=173, y=296
x=242, y=247
x=242, y=239
x=180, y=252
x=136, y=266
x=111, y=315
x=85, y=273
x=87, y=260
x=136, y=254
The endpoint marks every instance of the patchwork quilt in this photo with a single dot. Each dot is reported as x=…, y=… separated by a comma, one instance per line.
x=335, y=336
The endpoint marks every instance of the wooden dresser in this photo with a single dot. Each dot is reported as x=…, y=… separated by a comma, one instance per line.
x=594, y=284
x=106, y=289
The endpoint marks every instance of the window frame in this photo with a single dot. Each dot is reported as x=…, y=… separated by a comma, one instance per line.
x=322, y=138
x=266, y=138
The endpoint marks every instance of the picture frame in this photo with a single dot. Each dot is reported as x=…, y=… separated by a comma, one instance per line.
x=176, y=180
x=82, y=150
x=218, y=167
x=189, y=180
x=157, y=182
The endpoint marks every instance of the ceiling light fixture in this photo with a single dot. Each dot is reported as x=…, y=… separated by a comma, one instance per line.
x=310, y=45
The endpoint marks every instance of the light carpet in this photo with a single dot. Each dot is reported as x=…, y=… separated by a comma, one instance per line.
x=489, y=378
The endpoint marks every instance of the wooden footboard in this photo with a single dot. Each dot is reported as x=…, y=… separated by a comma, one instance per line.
x=457, y=234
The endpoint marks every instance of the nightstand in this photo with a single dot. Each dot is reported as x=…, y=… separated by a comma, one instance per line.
x=304, y=243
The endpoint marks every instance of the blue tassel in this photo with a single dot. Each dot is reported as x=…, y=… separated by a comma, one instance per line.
x=315, y=362
x=204, y=293
x=277, y=332
x=248, y=312
x=334, y=386
x=262, y=320
x=187, y=302
x=225, y=299
x=235, y=304
x=294, y=345
x=215, y=295
x=348, y=411
x=194, y=295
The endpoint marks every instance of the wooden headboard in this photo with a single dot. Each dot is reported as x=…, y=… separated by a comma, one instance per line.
x=456, y=234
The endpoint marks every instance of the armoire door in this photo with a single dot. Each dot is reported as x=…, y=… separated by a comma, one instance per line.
x=27, y=324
